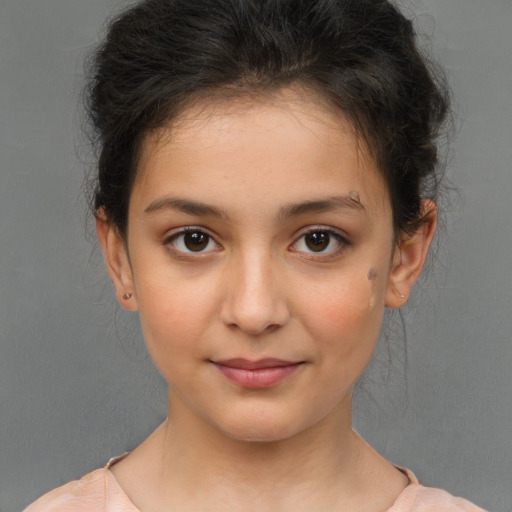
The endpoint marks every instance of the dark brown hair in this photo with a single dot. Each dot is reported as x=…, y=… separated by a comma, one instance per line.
x=360, y=55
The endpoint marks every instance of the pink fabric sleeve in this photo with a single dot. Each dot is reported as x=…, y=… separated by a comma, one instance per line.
x=96, y=492
x=416, y=498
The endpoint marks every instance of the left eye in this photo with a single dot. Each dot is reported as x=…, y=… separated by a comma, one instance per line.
x=319, y=241
x=195, y=241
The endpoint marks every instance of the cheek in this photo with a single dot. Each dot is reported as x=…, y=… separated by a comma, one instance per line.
x=344, y=316
x=346, y=299
x=174, y=313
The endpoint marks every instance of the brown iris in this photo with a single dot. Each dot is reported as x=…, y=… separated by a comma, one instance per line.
x=196, y=241
x=317, y=241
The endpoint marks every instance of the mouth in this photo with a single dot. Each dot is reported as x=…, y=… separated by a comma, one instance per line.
x=260, y=374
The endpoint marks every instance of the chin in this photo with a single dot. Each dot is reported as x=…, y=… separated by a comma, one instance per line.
x=259, y=435
x=260, y=428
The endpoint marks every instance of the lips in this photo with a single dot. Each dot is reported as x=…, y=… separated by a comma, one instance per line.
x=260, y=374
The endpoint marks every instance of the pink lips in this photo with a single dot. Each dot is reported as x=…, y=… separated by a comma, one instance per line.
x=260, y=374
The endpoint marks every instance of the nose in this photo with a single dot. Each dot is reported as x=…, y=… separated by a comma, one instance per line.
x=255, y=301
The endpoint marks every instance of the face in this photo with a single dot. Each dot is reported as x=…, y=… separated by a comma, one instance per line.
x=260, y=254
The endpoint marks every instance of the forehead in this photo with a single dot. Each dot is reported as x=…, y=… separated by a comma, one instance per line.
x=284, y=145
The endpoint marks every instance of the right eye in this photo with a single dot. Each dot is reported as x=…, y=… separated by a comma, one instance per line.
x=192, y=241
x=320, y=242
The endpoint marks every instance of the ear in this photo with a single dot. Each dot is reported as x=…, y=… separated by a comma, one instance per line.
x=117, y=261
x=409, y=257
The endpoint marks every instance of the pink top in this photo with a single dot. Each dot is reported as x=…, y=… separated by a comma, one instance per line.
x=99, y=491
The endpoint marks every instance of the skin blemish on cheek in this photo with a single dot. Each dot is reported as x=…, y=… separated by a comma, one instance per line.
x=372, y=276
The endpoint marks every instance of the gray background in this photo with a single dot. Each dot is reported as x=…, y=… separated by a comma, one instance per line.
x=76, y=386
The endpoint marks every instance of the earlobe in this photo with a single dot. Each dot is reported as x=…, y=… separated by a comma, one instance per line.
x=116, y=260
x=409, y=257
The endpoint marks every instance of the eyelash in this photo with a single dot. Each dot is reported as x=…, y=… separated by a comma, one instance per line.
x=171, y=241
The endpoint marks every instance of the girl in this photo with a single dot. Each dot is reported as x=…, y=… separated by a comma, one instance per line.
x=266, y=188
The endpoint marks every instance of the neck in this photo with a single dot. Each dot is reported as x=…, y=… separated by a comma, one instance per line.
x=205, y=454
x=187, y=464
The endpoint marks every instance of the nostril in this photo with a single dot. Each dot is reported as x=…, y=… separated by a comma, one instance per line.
x=271, y=328
x=253, y=330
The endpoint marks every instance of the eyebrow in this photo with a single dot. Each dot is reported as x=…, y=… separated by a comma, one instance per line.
x=200, y=209
x=322, y=205
x=186, y=206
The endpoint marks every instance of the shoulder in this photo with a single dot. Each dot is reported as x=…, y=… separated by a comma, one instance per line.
x=416, y=498
x=96, y=492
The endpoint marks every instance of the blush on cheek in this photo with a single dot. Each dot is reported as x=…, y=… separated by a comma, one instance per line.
x=343, y=314
x=172, y=336
x=340, y=311
x=178, y=321
x=169, y=328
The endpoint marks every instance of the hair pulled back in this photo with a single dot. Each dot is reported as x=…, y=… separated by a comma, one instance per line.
x=360, y=55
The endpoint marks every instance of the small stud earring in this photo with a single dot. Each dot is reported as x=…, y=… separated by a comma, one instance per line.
x=402, y=295
x=127, y=296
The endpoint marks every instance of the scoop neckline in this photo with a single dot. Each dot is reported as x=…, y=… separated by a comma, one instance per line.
x=413, y=481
